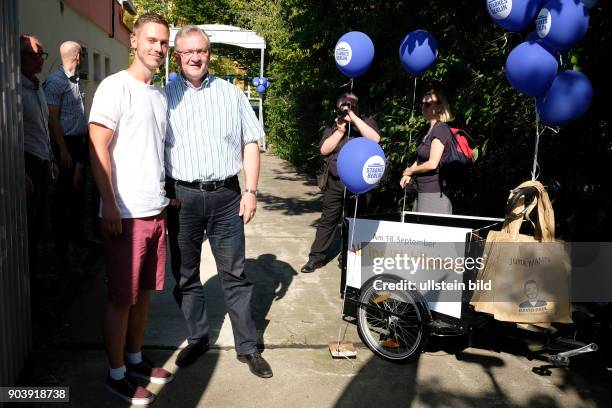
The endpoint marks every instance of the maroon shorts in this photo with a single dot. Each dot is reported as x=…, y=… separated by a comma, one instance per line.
x=136, y=259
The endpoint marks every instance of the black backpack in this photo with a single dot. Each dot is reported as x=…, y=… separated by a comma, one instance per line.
x=455, y=165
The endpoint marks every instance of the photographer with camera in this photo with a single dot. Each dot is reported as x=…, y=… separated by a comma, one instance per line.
x=345, y=126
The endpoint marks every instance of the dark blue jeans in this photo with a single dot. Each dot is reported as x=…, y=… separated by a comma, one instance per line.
x=212, y=215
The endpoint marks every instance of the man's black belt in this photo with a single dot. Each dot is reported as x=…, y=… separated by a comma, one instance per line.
x=208, y=185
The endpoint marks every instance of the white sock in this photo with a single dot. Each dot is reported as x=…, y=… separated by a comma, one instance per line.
x=134, y=358
x=117, y=373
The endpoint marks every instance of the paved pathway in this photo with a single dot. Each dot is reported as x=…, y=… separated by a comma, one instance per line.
x=298, y=314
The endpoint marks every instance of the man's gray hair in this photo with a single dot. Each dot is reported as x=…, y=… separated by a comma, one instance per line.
x=188, y=30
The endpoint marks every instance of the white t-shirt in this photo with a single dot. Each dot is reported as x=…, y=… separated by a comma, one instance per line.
x=137, y=114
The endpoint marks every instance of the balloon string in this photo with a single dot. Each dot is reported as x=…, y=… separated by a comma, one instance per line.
x=412, y=110
x=350, y=82
x=534, y=176
x=350, y=123
x=340, y=335
x=350, y=248
x=348, y=135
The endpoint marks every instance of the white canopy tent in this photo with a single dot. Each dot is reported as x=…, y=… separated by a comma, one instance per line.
x=225, y=34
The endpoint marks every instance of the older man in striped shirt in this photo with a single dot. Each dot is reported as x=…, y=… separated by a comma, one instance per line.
x=212, y=134
x=68, y=124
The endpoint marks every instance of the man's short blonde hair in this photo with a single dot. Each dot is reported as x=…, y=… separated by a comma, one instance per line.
x=150, y=18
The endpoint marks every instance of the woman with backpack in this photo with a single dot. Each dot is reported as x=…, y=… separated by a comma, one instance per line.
x=425, y=171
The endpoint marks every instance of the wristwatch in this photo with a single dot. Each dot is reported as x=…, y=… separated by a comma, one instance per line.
x=248, y=190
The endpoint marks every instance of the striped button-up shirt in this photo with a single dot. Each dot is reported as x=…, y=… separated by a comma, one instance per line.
x=207, y=128
x=66, y=91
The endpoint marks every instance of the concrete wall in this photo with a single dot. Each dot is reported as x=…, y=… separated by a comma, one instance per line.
x=105, y=55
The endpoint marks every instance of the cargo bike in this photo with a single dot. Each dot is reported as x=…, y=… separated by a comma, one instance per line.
x=395, y=321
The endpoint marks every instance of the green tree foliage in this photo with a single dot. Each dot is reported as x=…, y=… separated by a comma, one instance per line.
x=470, y=69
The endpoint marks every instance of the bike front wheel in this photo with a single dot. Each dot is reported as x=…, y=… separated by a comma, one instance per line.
x=392, y=323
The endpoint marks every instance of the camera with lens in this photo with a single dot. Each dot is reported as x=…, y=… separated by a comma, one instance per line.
x=342, y=110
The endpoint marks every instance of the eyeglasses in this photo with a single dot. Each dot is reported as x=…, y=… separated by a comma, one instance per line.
x=428, y=104
x=192, y=53
x=42, y=55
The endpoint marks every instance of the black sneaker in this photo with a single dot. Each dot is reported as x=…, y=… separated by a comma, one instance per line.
x=147, y=371
x=127, y=389
x=257, y=364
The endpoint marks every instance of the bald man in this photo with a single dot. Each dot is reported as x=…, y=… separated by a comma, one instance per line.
x=38, y=154
x=68, y=125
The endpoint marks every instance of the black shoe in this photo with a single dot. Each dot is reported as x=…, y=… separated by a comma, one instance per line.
x=127, y=389
x=147, y=371
x=257, y=364
x=191, y=353
x=311, y=266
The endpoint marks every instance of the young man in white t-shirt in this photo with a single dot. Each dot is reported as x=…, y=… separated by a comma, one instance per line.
x=127, y=127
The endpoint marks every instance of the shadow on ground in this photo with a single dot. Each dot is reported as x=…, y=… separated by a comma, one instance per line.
x=272, y=279
x=289, y=206
x=378, y=380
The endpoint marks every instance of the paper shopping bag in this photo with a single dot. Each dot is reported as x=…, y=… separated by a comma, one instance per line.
x=529, y=275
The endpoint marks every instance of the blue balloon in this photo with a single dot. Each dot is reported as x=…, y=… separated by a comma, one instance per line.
x=354, y=53
x=172, y=76
x=261, y=88
x=256, y=81
x=568, y=98
x=562, y=23
x=531, y=68
x=361, y=164
x=418, y=52
x=513, y=15
x=267, y=84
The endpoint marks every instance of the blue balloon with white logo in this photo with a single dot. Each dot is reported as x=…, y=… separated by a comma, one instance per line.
x=567, y=99
x=513, y=15
x=354, y=53
x=172, y=76
x=418, y=52
x=256, y=81
x=261, y=88
x=361, y=164
x=531, y=68
x=561, y=24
